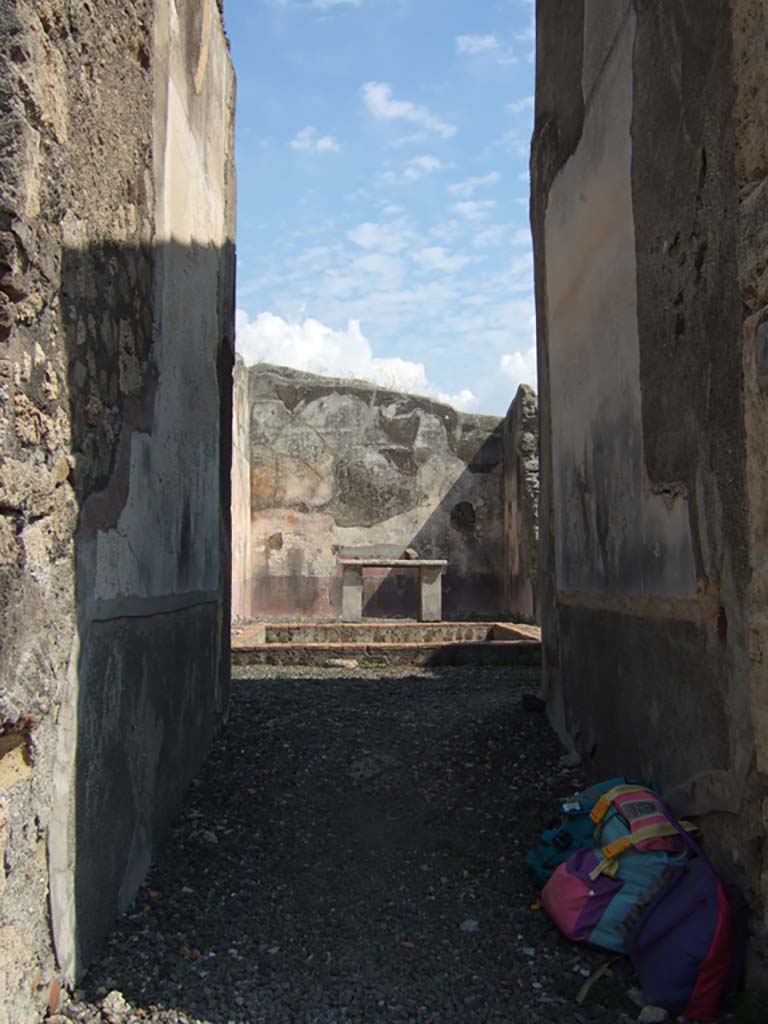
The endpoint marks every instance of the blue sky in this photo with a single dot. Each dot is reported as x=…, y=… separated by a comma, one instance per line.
x=382, y=158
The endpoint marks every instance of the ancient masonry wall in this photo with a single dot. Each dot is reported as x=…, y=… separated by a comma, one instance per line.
x=650, y=218
x=341, y=465
x=242, y=539
x=521, y=502
x=116, y=348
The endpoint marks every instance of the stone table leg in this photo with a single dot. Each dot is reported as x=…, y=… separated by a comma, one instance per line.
x=352, y=594
x=430, y=593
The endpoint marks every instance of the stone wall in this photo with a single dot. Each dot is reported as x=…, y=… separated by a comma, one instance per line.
x=116, y=347
x=343, y=465
x=650, y=223
x=241, y=493
x=521, y=502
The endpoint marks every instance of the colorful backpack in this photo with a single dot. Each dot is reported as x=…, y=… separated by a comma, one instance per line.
x=598, y=894
x=576, y=830
x=682, y=946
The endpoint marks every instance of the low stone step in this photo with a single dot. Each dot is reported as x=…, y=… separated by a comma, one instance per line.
x=379, y=632
x=363, y=633
x=371, y=655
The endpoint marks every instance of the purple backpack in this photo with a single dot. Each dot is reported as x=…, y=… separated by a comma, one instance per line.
x=682, y=946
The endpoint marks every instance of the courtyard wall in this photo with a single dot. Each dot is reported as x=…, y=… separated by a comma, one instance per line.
x=341, y=466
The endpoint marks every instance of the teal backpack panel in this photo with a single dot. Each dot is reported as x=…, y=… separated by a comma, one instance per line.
x=576, y=830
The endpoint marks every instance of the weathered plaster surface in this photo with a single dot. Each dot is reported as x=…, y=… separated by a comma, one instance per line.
x=521, y=502
x=649, y=240
x=341, y=464
x=115, y=425
x=750, y=35
x=241, y=493
x=612, y=532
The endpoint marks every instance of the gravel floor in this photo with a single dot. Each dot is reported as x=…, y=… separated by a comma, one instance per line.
x=353, y=851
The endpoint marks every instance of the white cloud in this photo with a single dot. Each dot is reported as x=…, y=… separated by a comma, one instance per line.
x=529, y=35
x=388, y=271
x=408, y=140
x=477, y=209
x=518, y=106
x=448, y=231
x=392, y=237
x=421, y=165
x=464, y=400
x=487, y=47
x=473, y=45
x=488, y=238
x=308, y=140
x=437, y=258
x=315, y=348
x=466, y=189
x=384, y=178
x=519, y=367
x=378, y=98
x=497, y=234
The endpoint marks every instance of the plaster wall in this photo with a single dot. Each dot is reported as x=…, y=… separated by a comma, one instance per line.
x=612, y=532
x=649, y=244
x=750, y=44
x=343, y=465
x=116, y=349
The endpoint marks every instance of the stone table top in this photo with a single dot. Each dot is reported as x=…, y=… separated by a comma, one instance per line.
x=390, y=562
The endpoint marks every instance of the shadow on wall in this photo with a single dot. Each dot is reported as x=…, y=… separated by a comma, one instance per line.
x=466, y=531
x=150, y=349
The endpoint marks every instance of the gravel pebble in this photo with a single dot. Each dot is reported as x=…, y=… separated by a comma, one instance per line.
x=653, y=1015
x=346, y=830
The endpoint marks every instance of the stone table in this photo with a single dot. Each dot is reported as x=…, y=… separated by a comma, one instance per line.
x=430, y=584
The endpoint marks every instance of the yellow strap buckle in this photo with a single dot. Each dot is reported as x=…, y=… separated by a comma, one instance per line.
x=600, y=810
x=617, y=847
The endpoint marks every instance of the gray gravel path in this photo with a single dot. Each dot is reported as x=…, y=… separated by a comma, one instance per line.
x=353, y=852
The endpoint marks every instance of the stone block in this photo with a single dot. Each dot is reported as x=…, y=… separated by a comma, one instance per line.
x=15, y=764
x=431, y=594
x=352, y=594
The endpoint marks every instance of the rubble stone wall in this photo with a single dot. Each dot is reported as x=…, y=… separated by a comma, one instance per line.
x=341, y=465
x=116, y=348
x=650, y=225
x=241, y=494
x=521, y=502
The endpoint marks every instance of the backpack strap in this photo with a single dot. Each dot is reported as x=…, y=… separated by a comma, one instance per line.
x=615, y=849
x=605, y=802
